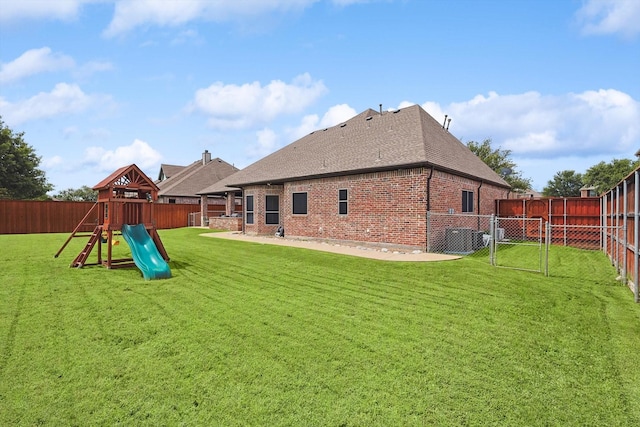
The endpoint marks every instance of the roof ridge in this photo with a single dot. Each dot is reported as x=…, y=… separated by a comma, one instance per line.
x=179, y=177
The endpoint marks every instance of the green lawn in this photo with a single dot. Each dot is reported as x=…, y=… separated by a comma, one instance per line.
x=250, y=334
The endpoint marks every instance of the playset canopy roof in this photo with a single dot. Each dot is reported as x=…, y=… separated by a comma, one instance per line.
x=127, y=178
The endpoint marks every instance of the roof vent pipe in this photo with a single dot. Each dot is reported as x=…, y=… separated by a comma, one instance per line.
x=445, y=121
x=448, y=123
x=380, y=109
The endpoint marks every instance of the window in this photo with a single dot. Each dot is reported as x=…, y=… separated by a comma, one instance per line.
x=342, y=202
x=249, y=209
x=172, y=201
x=273, y=210
x=467, y=201
x=299, y=203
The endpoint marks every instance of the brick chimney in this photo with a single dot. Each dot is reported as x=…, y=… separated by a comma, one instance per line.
x=206, y=157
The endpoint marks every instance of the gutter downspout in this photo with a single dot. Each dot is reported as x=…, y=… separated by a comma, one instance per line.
x=428, y=207
x=244, y=210
x=478, y=215
x=429, y=189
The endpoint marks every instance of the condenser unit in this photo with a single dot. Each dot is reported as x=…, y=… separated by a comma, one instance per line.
x=459, y=240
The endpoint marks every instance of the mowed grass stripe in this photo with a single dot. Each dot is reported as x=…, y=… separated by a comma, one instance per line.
x=248, y=334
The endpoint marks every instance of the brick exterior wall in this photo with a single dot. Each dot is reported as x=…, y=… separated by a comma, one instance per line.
x=225, y=223
x=259, y=193
x=383, y=207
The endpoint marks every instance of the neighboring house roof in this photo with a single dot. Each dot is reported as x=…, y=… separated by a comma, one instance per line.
x=220, y=187
x=167, y=171
x=370, y=141
x=529, y=194
x=193, y=178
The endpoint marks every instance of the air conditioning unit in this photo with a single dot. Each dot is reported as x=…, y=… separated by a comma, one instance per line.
x=459, y=240
x=499, y=234
x=478, y=240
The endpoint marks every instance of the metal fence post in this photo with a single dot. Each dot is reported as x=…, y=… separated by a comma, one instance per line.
x=428, y=231
x=547, y=243
x=603, y=220
x=625, y=243
x=636, y=251
x=617, y=222
x=492, y=235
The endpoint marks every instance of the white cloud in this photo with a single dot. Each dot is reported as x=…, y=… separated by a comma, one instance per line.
x=334, y=115
x=139, y=152
x=349, y=2
x=63, y=99
x=187, y=36
x=234, y=107
x=603, y=122
x=610, y=17
x=93, y=67
x=97, y=133
x=130, y=14
x=52, y=162
x=32, y=62
x=69, y=131
x=337, y=114
x=266, y=144
x=12, y=11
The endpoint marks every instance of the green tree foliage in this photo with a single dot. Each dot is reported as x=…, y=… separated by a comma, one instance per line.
x=82, y=194
x=604, y=176
x=20, y=177
x=500, y=161
x=565, y=183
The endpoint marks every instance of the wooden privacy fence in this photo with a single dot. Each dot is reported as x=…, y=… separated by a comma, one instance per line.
x=568, y=211
x=28, y=216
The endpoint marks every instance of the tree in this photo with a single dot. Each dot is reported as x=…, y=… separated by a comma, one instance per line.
x=500, y=162
x=82, y=194
x=20, y=177
x=565, y=183
x=604, y=176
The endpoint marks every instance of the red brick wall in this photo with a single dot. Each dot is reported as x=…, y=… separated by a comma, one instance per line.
x=446, y=193
x=259, y=200
x=225, y=223
x=386, y=207
x=383, y=207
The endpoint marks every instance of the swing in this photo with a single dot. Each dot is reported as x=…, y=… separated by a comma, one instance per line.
x=114, y=240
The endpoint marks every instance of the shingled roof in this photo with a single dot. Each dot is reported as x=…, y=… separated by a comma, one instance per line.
x=167, y=171
x=193, y=178
x=370, y=141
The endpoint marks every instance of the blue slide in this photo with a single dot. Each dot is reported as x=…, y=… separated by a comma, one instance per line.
x=145, y=253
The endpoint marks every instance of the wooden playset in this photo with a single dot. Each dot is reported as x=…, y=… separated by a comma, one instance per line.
x=126, y=196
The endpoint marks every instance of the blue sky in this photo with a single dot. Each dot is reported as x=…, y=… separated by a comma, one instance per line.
x=98, y=84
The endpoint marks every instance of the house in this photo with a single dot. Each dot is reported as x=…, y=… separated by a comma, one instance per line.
x=370, y=179
x=588, y=191
x=181, y=184
x=167, y=171
x=526, y=194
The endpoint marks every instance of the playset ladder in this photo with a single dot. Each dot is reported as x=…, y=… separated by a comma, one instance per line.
x=82, y=256
x=77, y=229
